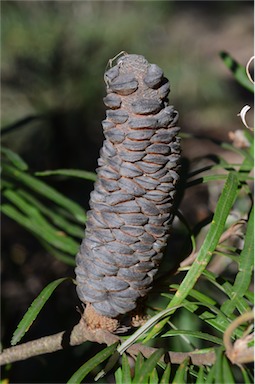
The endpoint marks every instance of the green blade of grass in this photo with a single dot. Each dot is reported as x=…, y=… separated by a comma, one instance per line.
x=91, y=364
x=213, y=317
x=153, y=378
x=143, y=329
x=196, y=334
x=35, y=309
x=207, y=178
x=210, y=378
x=244, y=276
x=61, y=256
x=219, y=366
x=71, y=173
x=199, y=296
x=200, y=376
x=55, y=239
x=57, y=219
x=241, y=303
x=181, y=373
x=225, y=203
x=238, y=70
x=146, y=369
x=118, y=376
x=226, y=372
x=35, y=223
x=126, y=373
x=166, y=375
x=246, y=378
x=15, y=159
x=47, y=191
x=138, y=364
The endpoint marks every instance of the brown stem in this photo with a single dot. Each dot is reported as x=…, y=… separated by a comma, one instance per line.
x=196, y=358
x=81, y=333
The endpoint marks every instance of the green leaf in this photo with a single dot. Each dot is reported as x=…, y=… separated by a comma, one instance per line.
x=217, y=177
x=214, y=317
x=46, y=191
x=225, y=203
x=238, y=70
x=70, y=172
x=61, y=256
x=143, y=329
x=181, y=373
x=166, y=375
x=35, y=309
x=210, y=378
x=35, y=222
x=226, y=372
x=218, y=366
x=56, y=218
x=141, y=375
x=138, y=364
x=200, y=376
x=91, y=364
x=241, y=303
x=246, y=378
x=199, y=296
x=247, y=154
x=223, y=208
x=118, y=376
x=197, y=334
x=15, y=159
x=110, y=364
x=153, y=378
x=126, y=373
x=244, y=276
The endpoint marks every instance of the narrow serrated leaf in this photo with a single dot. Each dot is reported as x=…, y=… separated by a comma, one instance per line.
x=153, y=378
x=70, y=172
x=91, y=364
x=181, y=373
x=244, y=276
x=200, y=376
x=118, y=376
x=138, y=364
x=238, y=71
x=246, y=378
x=197, y=334
x=110, y=364
x=15, y=159
x=142, y=375
x=166, y=375
x=54, y=216
x=126, y=373
x=225, y=203
x=61, y=256
x=45, y=190
x=241, y=303
x=35, y=309
x=38, y=225
x=226, y=372
x=210, y=378
x=219, y=366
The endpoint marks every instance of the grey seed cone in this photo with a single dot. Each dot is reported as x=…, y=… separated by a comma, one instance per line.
x=132, y=202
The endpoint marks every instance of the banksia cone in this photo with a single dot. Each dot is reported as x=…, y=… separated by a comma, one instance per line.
x=132, y=203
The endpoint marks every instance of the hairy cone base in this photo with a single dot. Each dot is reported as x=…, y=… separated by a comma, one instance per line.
x=129, y=221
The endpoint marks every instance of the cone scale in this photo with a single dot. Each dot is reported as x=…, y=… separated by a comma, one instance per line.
x=131, y=207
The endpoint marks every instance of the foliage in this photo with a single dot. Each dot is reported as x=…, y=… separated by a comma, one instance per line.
x=195, y=311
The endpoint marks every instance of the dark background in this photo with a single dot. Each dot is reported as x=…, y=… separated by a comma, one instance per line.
x=54, y=54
